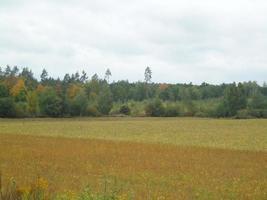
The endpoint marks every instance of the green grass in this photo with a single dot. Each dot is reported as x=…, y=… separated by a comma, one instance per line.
x=217, y=133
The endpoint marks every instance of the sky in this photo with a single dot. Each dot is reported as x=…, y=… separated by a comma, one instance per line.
x=182, y=41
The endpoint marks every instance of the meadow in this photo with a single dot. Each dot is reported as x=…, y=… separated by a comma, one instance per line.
x=141, y=158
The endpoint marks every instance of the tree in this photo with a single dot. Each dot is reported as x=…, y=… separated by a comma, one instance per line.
x=258, y=101
x=30, y=82
x=139, y=91
x=92, y=88
x=79, y=104
x=108, y=75
x=95, y=77
x=7, y=71
x=19, y=91
x=14, y=71
x=44, y=76
x=7, y=107
x=73, y=90
x=104, y=100
x=120, y=91
x=3, y=91
x=1, y=74
x=33, y=103
x=75, y=77
x=148, y=75
x=84, y=77
x=234, y=99
x=66, y=79
x=50, y=103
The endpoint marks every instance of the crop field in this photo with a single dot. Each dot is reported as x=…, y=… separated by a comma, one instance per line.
x=142, y=158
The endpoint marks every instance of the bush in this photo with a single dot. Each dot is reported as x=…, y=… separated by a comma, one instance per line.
x=255, y=113
x=124, y=109
x=201, y=114
x=264, y=113
x=92, y=111
x=190, y=108
x=155, y=108
x=258, y=113
x=22, y=109
x=220, y=111
x=243, y=114
x=172, y=111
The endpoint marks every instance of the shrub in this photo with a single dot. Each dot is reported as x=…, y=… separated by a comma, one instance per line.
x=22, y=109
x=243, y=114
x=172, y=111
x=201, y=114
x=124, y=109
x=255, y=113
x=264, y=113
x=258, y=113
x=220, y=111
x=155, y=108
x=92, y=111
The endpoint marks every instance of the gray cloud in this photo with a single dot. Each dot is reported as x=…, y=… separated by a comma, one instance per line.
x=182, y=41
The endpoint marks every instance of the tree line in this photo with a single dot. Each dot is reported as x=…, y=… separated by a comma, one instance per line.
x=23, y=95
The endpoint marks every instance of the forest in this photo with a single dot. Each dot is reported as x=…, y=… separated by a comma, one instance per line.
x=23, y=95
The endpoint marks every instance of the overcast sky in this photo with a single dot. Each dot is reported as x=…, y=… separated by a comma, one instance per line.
x=181, y=40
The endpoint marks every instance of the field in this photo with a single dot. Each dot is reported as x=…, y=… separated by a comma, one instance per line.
x=146, y=158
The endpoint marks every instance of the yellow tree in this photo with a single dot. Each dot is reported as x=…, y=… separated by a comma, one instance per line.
x=33, y=103
x=19, y=91
x=73, y=90
x=40, y=88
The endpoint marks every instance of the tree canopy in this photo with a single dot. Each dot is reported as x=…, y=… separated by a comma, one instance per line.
x=23, y=95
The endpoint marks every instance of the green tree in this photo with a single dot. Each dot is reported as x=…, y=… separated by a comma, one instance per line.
x=30, y=82
x=234, y=99
x=44, y=76
x=50, y=103
x=258, y=101
x=108, y=75
x=7, y=107
x=148, y=75
x=104, y=100
x=83, y=77
x=79, y=104
x=3, y=91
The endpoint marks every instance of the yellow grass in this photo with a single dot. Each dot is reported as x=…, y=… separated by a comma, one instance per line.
x=148, y=171
x=149, y=158
x=218, y=133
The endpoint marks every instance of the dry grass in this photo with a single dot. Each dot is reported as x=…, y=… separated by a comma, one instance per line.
x=148, y=171
x=218, y=133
